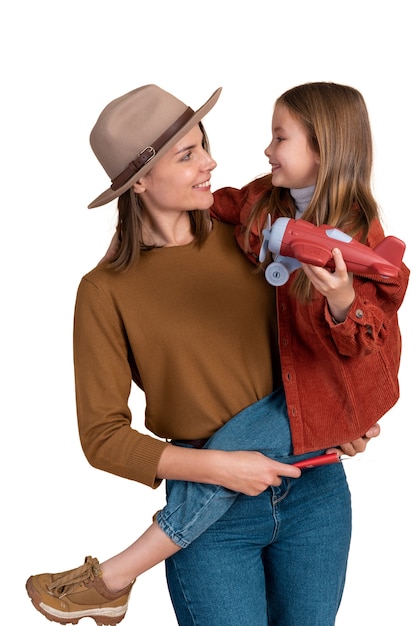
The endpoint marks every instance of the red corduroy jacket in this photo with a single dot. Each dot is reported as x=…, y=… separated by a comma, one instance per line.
x=339, y=379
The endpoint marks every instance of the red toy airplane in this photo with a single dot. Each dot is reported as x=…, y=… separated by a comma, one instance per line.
x=294, y=241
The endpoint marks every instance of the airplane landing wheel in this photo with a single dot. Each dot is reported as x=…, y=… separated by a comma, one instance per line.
x=277, y=274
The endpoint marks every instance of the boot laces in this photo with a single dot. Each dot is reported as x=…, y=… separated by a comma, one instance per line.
x=69, y=581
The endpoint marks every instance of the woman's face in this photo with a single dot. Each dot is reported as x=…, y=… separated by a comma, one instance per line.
x=180, y=180
x=294, y=163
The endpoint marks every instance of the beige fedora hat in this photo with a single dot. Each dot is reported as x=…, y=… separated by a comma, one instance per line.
x=136, y=130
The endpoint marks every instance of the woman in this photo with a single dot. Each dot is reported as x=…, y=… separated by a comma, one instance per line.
x=164, y=313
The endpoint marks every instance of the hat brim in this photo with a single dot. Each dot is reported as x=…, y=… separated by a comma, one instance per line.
x=110, y=194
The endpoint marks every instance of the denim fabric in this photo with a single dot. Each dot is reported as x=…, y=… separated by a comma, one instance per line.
x=276, y=559
x=192, y=507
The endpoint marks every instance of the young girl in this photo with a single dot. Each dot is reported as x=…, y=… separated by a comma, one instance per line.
x=339, y=351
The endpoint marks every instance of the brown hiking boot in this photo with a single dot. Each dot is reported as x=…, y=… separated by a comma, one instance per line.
x=67, y=597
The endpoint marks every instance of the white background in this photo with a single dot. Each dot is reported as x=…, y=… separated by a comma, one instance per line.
x=61, y=64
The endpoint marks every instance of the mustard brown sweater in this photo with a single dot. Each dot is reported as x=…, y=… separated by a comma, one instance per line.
x=194, y=327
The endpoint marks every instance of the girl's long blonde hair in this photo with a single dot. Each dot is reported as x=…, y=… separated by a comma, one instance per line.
x=337, y=124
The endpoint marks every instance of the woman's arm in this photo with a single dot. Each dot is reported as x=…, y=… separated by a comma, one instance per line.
x=247, y=472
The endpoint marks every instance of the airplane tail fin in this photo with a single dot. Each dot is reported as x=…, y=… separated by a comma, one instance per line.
x=392, y=249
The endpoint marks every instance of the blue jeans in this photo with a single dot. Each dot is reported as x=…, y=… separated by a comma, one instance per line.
x=275, y=559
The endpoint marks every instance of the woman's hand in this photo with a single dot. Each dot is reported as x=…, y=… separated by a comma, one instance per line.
x=358, y=445
x=247, y=472
x=336, y=286
x=251, y=472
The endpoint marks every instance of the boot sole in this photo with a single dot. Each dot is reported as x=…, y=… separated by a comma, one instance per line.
x=100, y=616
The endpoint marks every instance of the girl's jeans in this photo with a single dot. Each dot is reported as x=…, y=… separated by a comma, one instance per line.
x=277, y=559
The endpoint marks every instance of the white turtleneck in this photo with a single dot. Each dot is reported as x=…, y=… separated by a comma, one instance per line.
x=302, y=198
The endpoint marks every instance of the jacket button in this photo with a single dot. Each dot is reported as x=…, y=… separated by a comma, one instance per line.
x=359, y=313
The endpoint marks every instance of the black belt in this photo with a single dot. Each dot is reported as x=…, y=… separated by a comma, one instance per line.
x=194, y=443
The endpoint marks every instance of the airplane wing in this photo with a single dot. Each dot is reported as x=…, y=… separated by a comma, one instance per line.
x=392, y=249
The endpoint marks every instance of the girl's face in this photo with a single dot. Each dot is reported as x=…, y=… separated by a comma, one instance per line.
x=294, y=163
x=180, y=180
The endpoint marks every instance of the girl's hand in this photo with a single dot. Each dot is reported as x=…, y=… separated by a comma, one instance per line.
x=336, y=286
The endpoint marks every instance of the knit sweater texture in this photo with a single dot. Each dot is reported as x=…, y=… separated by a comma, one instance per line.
x=194, y=327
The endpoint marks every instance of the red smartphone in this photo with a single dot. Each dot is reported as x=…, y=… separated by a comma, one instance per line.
x=315, y=461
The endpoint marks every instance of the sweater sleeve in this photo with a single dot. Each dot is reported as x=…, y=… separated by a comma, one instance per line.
x=103, y=378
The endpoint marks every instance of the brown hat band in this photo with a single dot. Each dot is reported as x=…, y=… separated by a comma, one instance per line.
x=150, y=151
